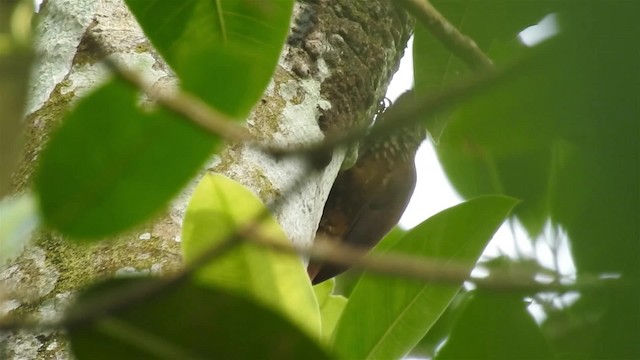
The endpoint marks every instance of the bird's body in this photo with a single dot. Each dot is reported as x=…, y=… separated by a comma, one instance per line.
x=368, y=199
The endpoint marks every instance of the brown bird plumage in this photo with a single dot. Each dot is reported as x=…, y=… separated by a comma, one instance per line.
x=368, y=199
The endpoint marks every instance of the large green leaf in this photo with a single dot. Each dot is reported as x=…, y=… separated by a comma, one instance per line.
x=15, y=65
x=186, y=321
x=599, y=325
x=494, y=26
x=487, y=23
x=225, y=51
x=441, y=329
x=220, y=207
x=110, y=165
x=564, y=136
x=495, y=326
x=331, y=307
x=385, y=317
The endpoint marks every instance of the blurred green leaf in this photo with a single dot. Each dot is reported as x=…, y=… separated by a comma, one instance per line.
x=441, y=329
x=598, y=325
x=495, y=326
x=433, y=68
x=223, y=51
x=331, y=306
x=486, y=23
x=597, y=194
x=220, y=207
x=110, y=165
x=16, y=57
x=565, y=137
x=385, y=317
x=187, y=321
x=500, y=143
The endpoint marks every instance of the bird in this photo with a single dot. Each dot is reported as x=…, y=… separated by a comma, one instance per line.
x=367, y=200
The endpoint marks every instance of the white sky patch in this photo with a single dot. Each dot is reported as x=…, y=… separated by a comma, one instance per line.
x=545, y=29
x=433, y=191
x=403, y=79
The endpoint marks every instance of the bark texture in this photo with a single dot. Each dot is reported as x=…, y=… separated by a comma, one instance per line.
x=334, y=68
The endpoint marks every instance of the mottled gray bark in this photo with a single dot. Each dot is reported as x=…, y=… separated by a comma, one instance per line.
x=335, y=67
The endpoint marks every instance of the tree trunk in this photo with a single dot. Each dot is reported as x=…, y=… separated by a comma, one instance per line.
x=334, y=68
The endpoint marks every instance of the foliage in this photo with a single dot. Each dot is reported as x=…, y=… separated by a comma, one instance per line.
x=561, y=133
x=507, y=329
x=218, y=208
x=189, y=321
x=133, y=164
x=398, y=312
x=563, y=137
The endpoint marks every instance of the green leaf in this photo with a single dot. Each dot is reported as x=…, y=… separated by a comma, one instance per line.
x=440, y=330
x=495, y=326
x=500, y=142
x=220, y=207
x=433, y=68
x=600, y=325
x=331, y=307
x=223, y=51
x=564, y=136
x=487, y=23
x=186, y=321
x=111, y=166
x=559, y=136
x=385, y=317
x=15, y=65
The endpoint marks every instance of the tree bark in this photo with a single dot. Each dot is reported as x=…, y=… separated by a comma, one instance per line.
x=336, y=65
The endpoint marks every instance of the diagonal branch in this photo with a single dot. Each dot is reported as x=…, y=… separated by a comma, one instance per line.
x=455, y=41
x=417, y=109
x=429, y=270
x=188, y=106
x=124, y=297
x=412, y=112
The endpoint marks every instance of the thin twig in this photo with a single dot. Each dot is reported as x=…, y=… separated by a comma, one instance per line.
x=413, y=111
x=201, y=114
x=187, y=105
x=455, y=41
x=120, y=298
x=392, y=264
x=429, y=270
x=130, y=295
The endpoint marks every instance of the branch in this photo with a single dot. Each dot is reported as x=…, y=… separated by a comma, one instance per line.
x=198, y=112
x=459, y=44
x=413, y=111
x=188, y=106
x=120, y=298
x=201, y=114
x=127, y=296
x=393, y=264
x=425, y=269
